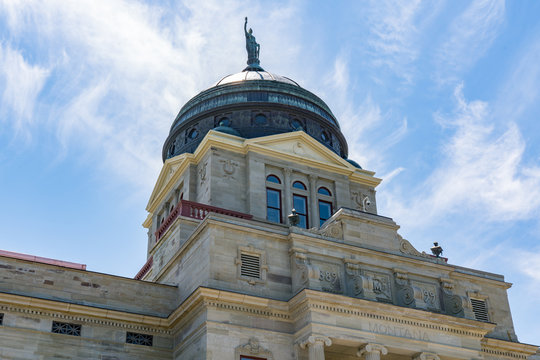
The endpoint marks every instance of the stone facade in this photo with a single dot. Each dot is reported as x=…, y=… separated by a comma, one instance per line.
x=224, y=282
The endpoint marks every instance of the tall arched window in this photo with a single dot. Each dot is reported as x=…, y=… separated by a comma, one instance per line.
x=324, y=198
x=300, y=203
x=273, y=199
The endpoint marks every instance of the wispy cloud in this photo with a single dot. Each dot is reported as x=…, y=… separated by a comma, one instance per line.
x=469, y=36
x=20, y=84
x=395, y=30
x=122, y=70
x=481, y=171
x=359, y=119
x=520, y=90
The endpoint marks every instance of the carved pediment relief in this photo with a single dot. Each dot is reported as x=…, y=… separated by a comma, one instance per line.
x=406, y=247
x=253, y=348
x=302, y=146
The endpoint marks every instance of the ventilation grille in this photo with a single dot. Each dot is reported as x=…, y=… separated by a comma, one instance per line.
x=66, y=328
x=139, y=339
x=479, y=309
x=251, y=266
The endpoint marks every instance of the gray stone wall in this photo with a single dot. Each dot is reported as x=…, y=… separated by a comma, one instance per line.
x=85, y=287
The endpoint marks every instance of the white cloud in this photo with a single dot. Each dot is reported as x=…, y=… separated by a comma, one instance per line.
x=520, y=90
x=480, y=172
x=396, y=28
x=470, y=35
x=21, y=83
x=123, y=70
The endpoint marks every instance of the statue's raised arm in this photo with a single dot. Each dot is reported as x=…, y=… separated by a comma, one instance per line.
x=252, y=49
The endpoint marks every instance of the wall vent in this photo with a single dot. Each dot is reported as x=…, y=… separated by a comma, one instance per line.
x=139, y=339
x=66, y=328
x=479, y=309
x=251, y=266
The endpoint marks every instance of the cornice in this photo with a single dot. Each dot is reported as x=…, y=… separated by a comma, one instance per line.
x=257, y=145
x=82, y=313
x=312, y=300
x=502, y=348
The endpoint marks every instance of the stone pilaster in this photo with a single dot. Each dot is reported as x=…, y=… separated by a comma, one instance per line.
x=287, y=193
x=315, y=345
x=314, y=211
x=372, y=351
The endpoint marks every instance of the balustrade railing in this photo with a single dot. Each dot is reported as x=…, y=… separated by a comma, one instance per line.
x=146, y=267
x=196, y=211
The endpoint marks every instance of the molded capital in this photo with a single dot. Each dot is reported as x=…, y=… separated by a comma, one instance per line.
x=315, y=340
x=372, y=351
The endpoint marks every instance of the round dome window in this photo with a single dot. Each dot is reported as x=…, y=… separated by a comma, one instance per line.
x=325, y=137
x=260, y=119
x=193, y=133
x=224, y=121
x=297, y=125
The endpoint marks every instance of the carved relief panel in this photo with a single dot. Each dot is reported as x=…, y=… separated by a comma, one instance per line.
x=380, y=287
x=426, y=296
x=330, y=278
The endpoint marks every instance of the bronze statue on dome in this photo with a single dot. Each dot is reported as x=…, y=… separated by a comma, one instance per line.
x=253, y=49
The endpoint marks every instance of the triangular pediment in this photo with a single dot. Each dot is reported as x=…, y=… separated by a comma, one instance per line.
x=168, y=171
x=301, y=146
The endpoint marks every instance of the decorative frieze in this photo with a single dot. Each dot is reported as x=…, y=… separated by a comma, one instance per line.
x=452, y=304
x=426, y=296
x=330, y=278
x=404, y=291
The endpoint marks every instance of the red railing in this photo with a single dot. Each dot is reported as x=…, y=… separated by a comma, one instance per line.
x=146, y=267
x=196, y=211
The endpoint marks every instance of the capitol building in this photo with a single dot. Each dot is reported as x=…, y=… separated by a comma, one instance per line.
x=264, y=243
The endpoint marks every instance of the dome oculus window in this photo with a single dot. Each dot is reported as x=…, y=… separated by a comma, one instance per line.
x=325, y=137
x=297, y=125
x=224, y=121
x=260, y=119
x=193, y=133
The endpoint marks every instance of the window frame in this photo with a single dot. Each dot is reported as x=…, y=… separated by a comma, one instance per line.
x=275, y=187
x=321, y=220
x=306, y=202
x=324, y=198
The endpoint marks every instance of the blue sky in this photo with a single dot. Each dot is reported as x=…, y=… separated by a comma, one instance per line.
x=441, y=99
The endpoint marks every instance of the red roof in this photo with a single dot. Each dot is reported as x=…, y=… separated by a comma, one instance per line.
x=42, y=260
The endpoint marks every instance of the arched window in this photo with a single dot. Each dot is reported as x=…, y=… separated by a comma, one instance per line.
x=299, y=185
x=324, y=191
x=273, y=199
x=273, y=179
x=324, y=199
x=300, y=203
